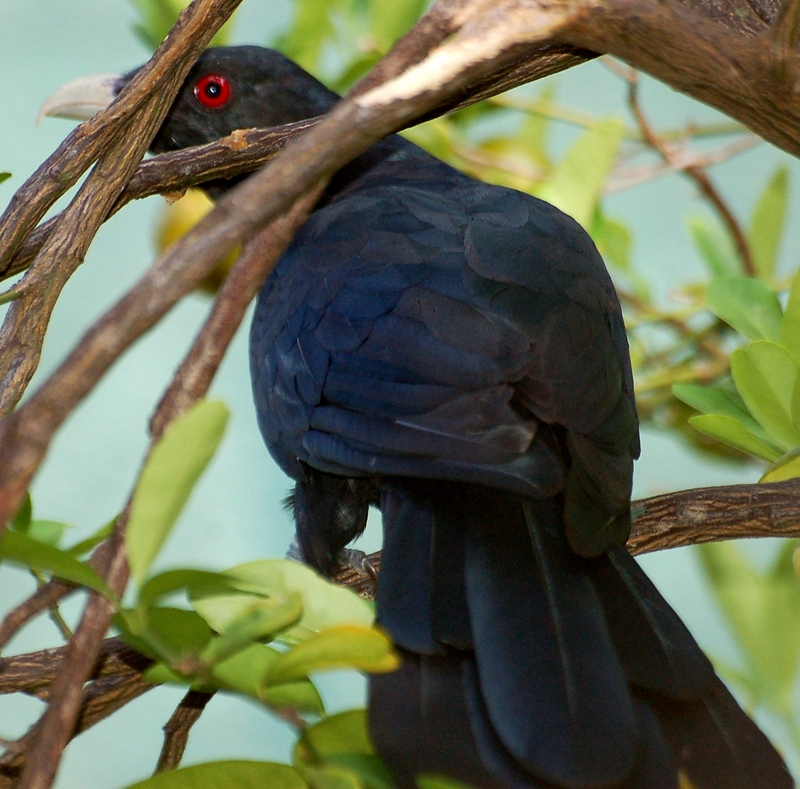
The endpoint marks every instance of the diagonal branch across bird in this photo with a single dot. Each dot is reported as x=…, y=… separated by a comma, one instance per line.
x=454, y=353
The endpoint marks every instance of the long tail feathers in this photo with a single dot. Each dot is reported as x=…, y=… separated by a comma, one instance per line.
x=526, y=666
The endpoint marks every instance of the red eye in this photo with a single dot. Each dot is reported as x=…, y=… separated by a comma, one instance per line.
x=212, y=91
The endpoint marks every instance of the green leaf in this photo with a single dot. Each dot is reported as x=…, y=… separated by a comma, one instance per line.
x=577, y=182
x=762, y=609
x=342, y=647
x=790, y=327
x=329, y=777
x=786, y=467
x=345, y=732
x=23, y=516
x=765, y=375
x=300, y=695
x=716, y=400
x=767, y=224
x=158, y=17
x=342, y=740
x=748, y=305
x=169, y=474
x=324, y=603
x=258, y=622
x=536, y=127
x=93, y=540
x=312, y=26
x=437, y=782
x=4, y=177
x=389, y=21
x=22, y=550
x=715, y=247
x=244, y=672
x=50, y=532
x=191, y=581
x=168, y=634
x=614, y=241
x=226, y=775
x=732, y=433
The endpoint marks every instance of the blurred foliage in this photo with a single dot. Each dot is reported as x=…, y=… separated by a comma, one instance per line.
x=729, y=350
x=260, y=630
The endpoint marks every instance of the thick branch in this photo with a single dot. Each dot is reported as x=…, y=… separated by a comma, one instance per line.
x=725, y=67
x=691, y=517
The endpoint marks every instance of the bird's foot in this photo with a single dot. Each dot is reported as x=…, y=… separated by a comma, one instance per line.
x=350, y=560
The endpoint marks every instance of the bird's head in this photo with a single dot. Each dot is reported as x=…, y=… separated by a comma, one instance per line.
x=229, y=88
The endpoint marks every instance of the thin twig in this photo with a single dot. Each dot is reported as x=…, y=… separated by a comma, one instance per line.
x=35, y=670
x=693, y=171
x=47, y=596
x=682, y=160
x=177, y=728
x=39, y=601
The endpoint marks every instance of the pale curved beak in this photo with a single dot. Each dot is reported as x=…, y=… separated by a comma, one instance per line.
x=81, y=99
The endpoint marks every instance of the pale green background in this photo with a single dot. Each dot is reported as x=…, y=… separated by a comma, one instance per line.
x=235, y=515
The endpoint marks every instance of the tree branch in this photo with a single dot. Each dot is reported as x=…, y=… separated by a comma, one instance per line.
x=123, y=145
x=178, y=727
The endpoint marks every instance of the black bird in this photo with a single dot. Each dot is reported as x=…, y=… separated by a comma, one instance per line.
x=454, y=352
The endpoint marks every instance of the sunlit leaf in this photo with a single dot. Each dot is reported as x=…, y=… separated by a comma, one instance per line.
x=765, y=375
x=786, y=467
x=180, y=216
x=192, y=581
x=169, y=474
x=342, y=647
x=324, y=603
x=709, y=400
x=748, y=305
x=260, y=621
x=769, y=218
x=578, y=180
x=244, y=672
x=762, y=609
x=731, y=432
x=226, y=775
x=716, y=400
x=21, y=549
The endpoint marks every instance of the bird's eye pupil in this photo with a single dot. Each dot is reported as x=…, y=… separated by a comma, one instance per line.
x=212, y=91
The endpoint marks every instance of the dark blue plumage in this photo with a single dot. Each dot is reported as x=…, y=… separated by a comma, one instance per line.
x=454, y=352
